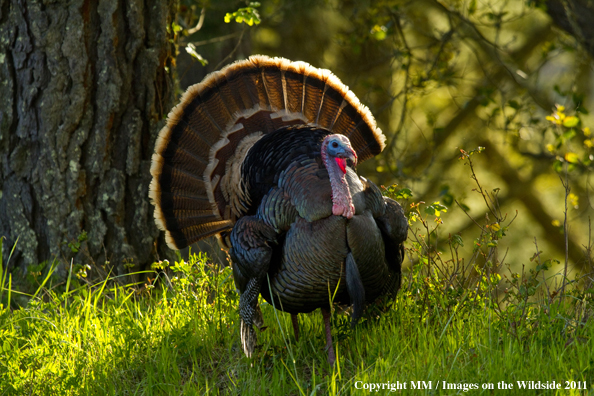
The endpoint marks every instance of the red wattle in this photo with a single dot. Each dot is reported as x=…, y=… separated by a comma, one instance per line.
x=341, y=162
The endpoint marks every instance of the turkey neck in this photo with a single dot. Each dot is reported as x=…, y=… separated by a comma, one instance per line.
x=342, y=203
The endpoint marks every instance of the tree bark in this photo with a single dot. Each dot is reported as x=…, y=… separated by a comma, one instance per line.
x=84, y=89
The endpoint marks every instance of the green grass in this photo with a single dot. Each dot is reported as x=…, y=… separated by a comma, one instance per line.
x=182, y=337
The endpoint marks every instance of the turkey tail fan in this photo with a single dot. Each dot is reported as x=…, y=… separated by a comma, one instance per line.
x=197, y=187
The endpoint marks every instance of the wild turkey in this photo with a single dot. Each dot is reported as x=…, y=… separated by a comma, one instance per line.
x=262, y=154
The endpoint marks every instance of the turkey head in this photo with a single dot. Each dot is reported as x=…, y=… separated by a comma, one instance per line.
x=336, y=151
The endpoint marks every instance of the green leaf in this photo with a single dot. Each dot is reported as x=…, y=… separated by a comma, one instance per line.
x=247, y=15
x=572, y=158
x=571, y=121
x=477, y=150
x=176, y=28
x=74, y=246
x=501, y=232
x=457, y=240
x=404, y=193
x=435, y=209
x=379, y=32
x=578, y=101
x=448, y=199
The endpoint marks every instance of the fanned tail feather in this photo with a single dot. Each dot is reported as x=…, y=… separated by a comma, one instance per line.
x=197, y=186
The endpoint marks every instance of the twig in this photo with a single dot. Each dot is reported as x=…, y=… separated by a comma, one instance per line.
x=469, y=216
x=216, y=39
x=200, y=22
x=232, y=52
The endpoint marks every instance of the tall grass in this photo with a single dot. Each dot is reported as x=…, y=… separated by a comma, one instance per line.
x=181, y=337
x=455, y=327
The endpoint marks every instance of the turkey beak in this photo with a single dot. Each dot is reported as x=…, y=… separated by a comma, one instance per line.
x=346, y=158
x=351, y=156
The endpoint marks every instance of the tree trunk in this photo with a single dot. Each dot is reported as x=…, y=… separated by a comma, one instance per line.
x=84, y=89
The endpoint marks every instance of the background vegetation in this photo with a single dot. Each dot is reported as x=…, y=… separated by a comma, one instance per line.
x=486, y=108
x=445, y=76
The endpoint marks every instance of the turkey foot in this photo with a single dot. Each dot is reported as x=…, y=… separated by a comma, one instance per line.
x=329, y=347
x=295, y=326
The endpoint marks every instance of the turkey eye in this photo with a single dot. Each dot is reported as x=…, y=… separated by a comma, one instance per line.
x=334, y=144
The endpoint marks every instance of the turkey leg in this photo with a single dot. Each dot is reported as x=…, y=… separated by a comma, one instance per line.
x=248, y=304
x=329, y=347
x=250, y=253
